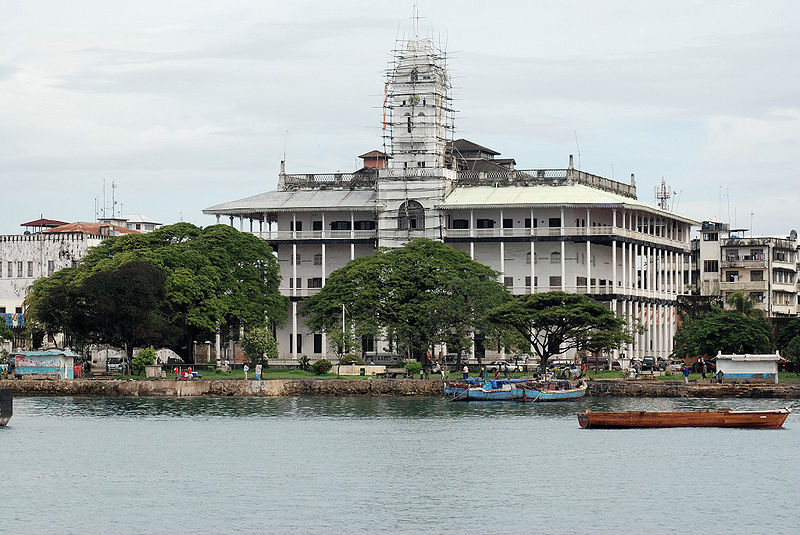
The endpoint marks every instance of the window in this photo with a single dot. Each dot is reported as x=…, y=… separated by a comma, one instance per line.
x=410, y=216
x=30, y=268
x=368, y=343
x=508, y=282
x=732, y=276
x=316, y=225
x=19, y=269
x=581, y=281
x=317, y=343
x=296, y=225
x=11, y=269
x=528, y=282
x=528, y=222
x=527, y=258
x=299, y=343
x=364, y=225
x=555, y=282
x=138, y=226
x=340, y=225
x=756, y=254
x=2, y=310
x=731, y=255
x=484, y=223
x=554, y=222
x=555, y=258
x=508, y=223
x=710, y=266
x=779, y=256
x=315, y=282
x=460, y=224
x=51, y=267
x=710, y=236
x=756, y=276
x=298, y=281
x=420, y=164
x=757, y=297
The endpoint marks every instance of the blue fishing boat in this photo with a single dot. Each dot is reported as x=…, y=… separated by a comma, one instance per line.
x=550, y=391
x=477, y=389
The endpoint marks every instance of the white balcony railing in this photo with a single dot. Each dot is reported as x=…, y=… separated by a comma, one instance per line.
x=288, y=235
x=500, y=233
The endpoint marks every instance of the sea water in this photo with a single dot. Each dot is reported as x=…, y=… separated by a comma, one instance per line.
x=386, y=465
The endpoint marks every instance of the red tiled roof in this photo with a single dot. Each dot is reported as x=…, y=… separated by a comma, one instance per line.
x=44, y=223
x=375, y=154
x=91, y=228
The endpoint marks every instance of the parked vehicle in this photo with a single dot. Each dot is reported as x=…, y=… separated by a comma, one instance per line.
x=593, y=361
x=676, y=365
x=652, y=364
x=501, y=364
x=114, y=364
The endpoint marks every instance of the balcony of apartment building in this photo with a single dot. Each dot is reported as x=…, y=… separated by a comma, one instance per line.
x=749, y=261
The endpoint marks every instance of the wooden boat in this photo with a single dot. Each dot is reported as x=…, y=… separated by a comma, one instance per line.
x=477, y=389
x=6, y=405
x=700, y=418
x=551, y=391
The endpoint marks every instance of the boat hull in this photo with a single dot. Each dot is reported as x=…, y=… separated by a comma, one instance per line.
x=474, y=393
x=718, y=418
x=534, y=394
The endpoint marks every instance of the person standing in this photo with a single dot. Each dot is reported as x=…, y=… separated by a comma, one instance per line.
x=466, y=371
x=245, y=368
x=505, y=370
x=704, y=369
x=258, y=372
x=686, y=374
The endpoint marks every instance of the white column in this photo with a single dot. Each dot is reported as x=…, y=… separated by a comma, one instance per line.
x=624, y=269
x=614, y=266
x=503, y=261
x=294, y=330
x=616, y=314
x=502, y=226
x=294, y=269
x=217, y=219
x=472, y=250
x=324, y=262
x=588, y=266
x=241, y=223
x=352, y=237
x=689, y=260
x=563, y=265
x=471, y=224
x=533, y=267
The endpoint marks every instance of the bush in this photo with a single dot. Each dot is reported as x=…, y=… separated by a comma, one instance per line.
x=413, y=367
x=259, y=345
x=322, y=366
x=351, y=360
x=145, y=357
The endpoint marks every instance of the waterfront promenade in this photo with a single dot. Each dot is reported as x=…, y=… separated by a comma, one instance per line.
x=372, y=387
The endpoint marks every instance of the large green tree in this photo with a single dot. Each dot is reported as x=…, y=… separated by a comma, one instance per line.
x=744, y=304
x=215, y=277
x=557, y=322
x=728, y=331
x=421, y=294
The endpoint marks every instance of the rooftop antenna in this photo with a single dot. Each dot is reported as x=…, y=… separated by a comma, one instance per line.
x=579, y=150
x=113, y=199
x=663, y=195
x=415, y=18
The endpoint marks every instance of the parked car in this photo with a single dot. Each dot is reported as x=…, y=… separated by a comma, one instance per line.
x=594, y=361
x=114, y=364
x=616, y=366
x=676, y=365
x=500, y=365
x=652, y=363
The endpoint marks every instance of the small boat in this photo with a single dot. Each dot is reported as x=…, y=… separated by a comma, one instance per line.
x=700, y=418
x=551, y=391
x=6, y=405
x=477, y=389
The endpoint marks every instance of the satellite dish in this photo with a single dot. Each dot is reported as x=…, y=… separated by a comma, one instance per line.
x=793, y=235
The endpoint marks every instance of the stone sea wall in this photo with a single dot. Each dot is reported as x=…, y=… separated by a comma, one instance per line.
x=373, y=387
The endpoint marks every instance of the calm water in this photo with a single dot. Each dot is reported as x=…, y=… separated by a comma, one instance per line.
x=362, y=465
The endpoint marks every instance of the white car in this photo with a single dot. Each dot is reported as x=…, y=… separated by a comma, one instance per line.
x=501, y=364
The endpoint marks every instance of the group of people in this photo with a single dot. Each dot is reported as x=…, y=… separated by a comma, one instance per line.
x=432, y=365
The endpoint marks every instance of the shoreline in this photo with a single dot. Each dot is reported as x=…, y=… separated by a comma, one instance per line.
x=372, y=387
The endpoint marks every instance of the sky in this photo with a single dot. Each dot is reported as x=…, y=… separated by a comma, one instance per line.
x=188, y=104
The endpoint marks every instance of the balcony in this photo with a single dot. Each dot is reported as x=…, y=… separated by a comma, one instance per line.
x=316, y=235
x=745, y=286
x=540, y=232
x=300, y=292
x=744, y=262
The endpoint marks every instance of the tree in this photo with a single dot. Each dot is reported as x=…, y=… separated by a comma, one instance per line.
x=787, y=333
x=556, y=322
x=744, y=304
x=216, y=277
x=792, y=352
x=5, y=332
x=421, y=294
x=259, y=345
x=145, y=357
x=727, y=331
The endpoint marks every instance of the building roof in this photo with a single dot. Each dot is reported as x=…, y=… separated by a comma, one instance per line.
x=465, y=145
x=528, y=196
x=91, y=228
x=483, y=165
x=42, y=222
x=375, y=154
x=312, y=200
x=139, y=218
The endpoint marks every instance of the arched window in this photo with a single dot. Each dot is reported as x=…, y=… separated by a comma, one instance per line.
x=411, y=215
x=555, y=258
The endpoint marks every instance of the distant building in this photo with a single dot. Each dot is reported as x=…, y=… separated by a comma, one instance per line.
x=26, y=257
x=135, y=222
x=541, y=229
x=765, y=268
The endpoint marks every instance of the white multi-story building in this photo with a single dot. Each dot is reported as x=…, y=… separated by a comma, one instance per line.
x=542, y=229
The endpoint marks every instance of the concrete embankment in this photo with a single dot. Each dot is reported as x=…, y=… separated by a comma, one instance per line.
x=374, y=387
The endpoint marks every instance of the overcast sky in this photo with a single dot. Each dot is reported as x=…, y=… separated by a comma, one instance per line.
x=187, y=104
